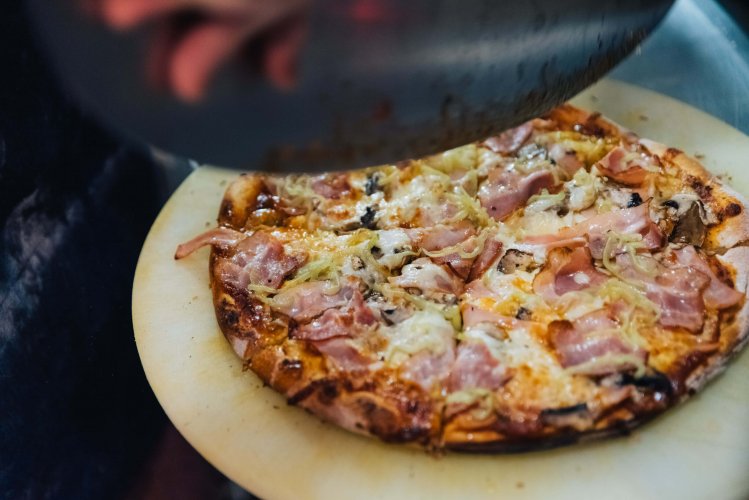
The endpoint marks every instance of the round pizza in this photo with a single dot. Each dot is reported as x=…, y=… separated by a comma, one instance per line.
x=560, y=281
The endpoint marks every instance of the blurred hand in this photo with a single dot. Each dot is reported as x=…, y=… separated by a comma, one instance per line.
x=194, y=38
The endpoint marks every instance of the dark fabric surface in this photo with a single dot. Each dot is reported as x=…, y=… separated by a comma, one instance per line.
x=77, y=418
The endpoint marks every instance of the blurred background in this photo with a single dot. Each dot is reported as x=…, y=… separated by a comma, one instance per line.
x=77, y=417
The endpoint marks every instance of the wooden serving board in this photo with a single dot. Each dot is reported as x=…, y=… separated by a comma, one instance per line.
x=699, y=450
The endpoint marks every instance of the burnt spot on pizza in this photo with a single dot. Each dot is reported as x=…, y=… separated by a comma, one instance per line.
x=514, y=260
x=704, y=191
x=291, y=365
x=732, y=210
x=635, y=200
x=593, y=125
x=372, y=184
x=524, y=314
x=565, y=410
x=377, y=251
x=368, y=219
x=671, y=204
x=654, y=381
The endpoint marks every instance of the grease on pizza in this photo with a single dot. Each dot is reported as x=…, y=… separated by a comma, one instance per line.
x=564, y=279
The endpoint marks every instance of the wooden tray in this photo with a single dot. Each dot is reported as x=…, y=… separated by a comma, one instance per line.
x=700, y=450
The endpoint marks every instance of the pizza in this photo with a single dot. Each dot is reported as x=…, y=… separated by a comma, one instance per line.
x=561, y=281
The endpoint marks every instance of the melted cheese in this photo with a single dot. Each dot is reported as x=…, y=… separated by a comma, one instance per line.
x=424, y=331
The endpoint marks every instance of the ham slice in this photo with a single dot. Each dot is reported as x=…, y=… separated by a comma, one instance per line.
x=510, y=140
x=567, y=271
x=474, y=315
x=308, y=300
x=634, y=220
x=219, y=237
x=440, y=237
x=476, y=368
x=624, y=166
x=504, y=191
x=428, y=277
x=259, y=259
x=566, y=159
x=485, y=260
x=427, y=369
x=343, y=354
x=263, y=258
x=348, y=321
x=593, y=337
x=717, y=295
x=332, y=186
x=677, y=292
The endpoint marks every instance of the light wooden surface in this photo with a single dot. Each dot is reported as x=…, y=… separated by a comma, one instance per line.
x=700, y=450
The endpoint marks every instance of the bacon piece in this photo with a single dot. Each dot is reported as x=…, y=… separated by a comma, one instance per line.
x=624, y=166
x=220, y=237
x=589, y=338
x=634, y=220
x=440, y=237
x=510, y=140
x=264, y=260
x=678, y=294
x=567, y=271
x=487, y=257
x=345, y=322
x=474, y=315
x=304, y=302
x=476, y=368
x=427, y=369
x=566, y=158
x=504, y=191
x=332, y=186
x=717, y=295
x=341, y=352
x=676, y=291
x=428, y=277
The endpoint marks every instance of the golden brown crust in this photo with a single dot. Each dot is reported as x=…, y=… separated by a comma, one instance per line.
x=384, y=405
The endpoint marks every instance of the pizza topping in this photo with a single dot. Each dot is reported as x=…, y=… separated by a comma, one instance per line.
x=476, y=368
x=332, y=186
x=344, y=354
x=677, y=292
x=504, y=191
x=567, y=159
x=510, y=140
x=627, y=167
x=432, y=279
x=717, y=295
x=690, y=229
x=219, y=237
x=393, y=247
x=582, y=190
x=629, y=221
x=307, y=300
x=423, y=346
x=567, y=271
x=590, y=345
x=514, y=260
x=344, y=322
x=265, y=261
x=485, y=260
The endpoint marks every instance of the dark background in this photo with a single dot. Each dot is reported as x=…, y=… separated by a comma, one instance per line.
x=77, y=418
